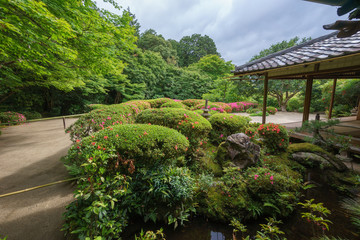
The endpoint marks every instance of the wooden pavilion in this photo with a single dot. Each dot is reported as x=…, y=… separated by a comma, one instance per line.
x=326, y=57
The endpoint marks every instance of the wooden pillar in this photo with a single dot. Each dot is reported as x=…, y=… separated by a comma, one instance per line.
x=266, y=85
x=309, y=83
x=332, y=98
x=358, y=114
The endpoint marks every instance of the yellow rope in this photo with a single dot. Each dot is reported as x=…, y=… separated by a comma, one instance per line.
x=37, y=187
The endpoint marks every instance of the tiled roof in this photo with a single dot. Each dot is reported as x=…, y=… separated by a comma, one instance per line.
x=325, y=47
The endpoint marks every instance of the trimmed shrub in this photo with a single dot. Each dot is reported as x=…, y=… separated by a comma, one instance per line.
x=241, y=106
x=211, y=112
x=275, y=137
x=32, y=115
x=174, y=105
x=223, y=125
x=271, y=110
x=220, y=107
x=253, y=110
x=192, y=125
x=146, y=145
x=97, y=106
x=156, y=103
x=11, y=118
x=99, y=119
x=192, y=102
x=138, y=104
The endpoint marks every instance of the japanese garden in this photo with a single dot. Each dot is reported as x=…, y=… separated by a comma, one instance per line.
x=164, y=139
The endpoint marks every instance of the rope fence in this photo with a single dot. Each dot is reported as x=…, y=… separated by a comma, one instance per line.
x=43, y=119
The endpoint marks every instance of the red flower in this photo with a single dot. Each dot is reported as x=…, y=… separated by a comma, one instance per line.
x=93, y=143
x=105, y=137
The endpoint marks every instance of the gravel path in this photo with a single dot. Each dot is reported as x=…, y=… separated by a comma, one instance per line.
x=30, y=156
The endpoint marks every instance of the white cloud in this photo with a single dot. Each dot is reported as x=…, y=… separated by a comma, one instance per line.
x=240, y=28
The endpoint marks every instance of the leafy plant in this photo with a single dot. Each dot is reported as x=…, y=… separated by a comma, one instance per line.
x=174, y=105
x=353, y=206
x=275, y=137
x=150, y=235
x=11, y=118
x=316, y=214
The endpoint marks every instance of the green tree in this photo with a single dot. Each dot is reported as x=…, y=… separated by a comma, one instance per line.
x=59, y=43
x=150, y=40
x=191, y=48
x=282, y=90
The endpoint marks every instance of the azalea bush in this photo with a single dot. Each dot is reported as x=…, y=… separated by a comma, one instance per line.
x=218, y=106
x=223, y=125
x=12, y=118
x=274, y=137
x=271, y=110
x=241, y=106
x=192, y=125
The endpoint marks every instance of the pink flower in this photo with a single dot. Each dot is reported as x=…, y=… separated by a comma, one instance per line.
x=272, y=182
x=145, y=133
x=271, y=178
x=256, y=176
x=176, y=147
x=221, y=135
x=93, y=143
x=105, y=137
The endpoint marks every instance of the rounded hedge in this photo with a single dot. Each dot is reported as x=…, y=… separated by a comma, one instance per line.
x=192, y=125
x=145, y=145
x=174, y=105
x=99, y=119
x=192, y=102
x=271, y=110
x=223, y=125
x=156, y=103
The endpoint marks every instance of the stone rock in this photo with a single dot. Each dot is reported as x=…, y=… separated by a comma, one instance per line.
x=314, y=159
x=238, y=151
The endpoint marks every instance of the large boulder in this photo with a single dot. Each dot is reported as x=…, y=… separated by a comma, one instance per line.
x=238, y=151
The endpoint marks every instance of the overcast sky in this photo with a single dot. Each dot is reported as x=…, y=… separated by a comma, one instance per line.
x=240, y=28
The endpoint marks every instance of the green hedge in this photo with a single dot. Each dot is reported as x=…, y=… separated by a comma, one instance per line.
x=192, y=125
x=174, y=105
x=147, y=145
x=156, y=103
x=192, y=102
x=223, y=125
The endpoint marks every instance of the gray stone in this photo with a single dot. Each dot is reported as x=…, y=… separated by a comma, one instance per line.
x=238, y=151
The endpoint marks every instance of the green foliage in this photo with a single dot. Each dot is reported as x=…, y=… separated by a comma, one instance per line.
x=223, y=125
x=315, y=214
x=275, y=137
x=258, y=114
x=190, y=124
x=294, y=104
x=169, y=187
x=96, y=212
x=214, y=66
x=173, y=104
x=150, y=235
x=11, y=118
x=253, y=110
x=32, y=115
x=147, y=145
x=353, y=206
x=217, y=106
x=191, y=49
x=150, y=40
x=252, y=193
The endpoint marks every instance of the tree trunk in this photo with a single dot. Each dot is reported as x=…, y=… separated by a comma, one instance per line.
x=283, y=107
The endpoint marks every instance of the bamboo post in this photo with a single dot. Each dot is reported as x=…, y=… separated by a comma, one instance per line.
x=358, y=114
x=64, y=122
x=332, y=98
x=308, y=91
x=266, y=86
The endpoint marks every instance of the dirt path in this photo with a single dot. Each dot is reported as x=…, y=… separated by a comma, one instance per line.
x=30, y=156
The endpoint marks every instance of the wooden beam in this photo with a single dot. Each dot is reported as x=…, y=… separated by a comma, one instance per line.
x=266, y=85
x=332, y=98
x=308, y=91
x=358, y=115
